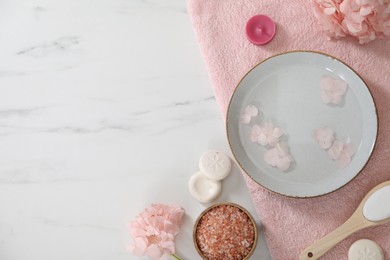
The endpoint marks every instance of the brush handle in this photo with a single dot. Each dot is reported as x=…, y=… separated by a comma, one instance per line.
x=353, y=224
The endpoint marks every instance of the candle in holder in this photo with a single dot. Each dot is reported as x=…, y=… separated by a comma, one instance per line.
x=260, y=29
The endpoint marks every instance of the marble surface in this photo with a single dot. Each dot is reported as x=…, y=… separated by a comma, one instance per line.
x=105, y=108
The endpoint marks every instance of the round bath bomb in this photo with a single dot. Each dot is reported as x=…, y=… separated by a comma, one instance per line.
x=215, y=165
x=365, y=249
x=203, y=189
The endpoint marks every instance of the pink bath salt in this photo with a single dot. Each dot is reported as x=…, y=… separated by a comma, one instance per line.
x=332, y=90
x=279, y=157
x=324, y=137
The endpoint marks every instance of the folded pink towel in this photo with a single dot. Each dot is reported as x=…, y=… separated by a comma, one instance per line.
x=290, y=225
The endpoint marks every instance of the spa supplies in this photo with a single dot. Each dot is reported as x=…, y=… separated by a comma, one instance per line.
x=203, y=189
x=225, y=231
x=206, y=185
x=215, y=165
x=365, y=249
x=372, y=211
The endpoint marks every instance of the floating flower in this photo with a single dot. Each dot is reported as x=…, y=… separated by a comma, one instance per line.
x=364, y=19
x=342, y=153
x=324, y=137
x=249, y=112
x=332, y=90
x=154, y=231
x=279, y=157
x=266, y=134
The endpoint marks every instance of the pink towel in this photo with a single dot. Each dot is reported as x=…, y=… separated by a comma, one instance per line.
x=290, y=225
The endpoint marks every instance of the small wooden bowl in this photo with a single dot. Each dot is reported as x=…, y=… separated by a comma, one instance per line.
x=226, y=228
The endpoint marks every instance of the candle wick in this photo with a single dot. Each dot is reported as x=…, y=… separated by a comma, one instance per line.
x=259, y=30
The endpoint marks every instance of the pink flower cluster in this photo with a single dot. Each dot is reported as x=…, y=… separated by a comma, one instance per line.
x=268, y=135
x=154, y=231
x=364, y=19
x=337, y=150
x=332, y=90
x=279, y=157
x=250, y=111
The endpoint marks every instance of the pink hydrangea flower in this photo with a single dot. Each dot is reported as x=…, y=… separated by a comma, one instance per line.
x=332, y=90
x=154, y=231
x=330, y=18
x=324, y=137
x=266, y=134
x=249, y=112
x=342, y=153
x=364, y=19
x=279, y=157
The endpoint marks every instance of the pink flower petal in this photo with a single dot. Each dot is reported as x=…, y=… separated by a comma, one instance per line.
x=284, y=164
x=262, y=139
x=344, y=161
x=334, y=152
x=332, y=90
x=154, y=230
x=168, y=245
x=324, y=137
x=365, y=10
x=363, y=2
x=277, y=132
x=272, y=156
x=349, y=149
x=279, y=157
x=251, y=110
x=154, y=252
x=329, y=10
x=139, y=246
x=362, y=19
x=267, y=134
x=256, y=131
x=357, y=18
x=245, y=119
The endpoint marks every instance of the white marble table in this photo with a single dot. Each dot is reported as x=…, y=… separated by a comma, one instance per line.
x=105, y=108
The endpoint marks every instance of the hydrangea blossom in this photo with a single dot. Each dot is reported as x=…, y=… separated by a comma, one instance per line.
x=154, y=231
x=279, y=157
x=366, y=20
x=249, y=112
x=332, y=90
x=266, y=135
x=324, y=137
x=342, y=153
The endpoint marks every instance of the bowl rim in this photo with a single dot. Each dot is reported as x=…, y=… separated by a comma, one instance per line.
x=225, y=204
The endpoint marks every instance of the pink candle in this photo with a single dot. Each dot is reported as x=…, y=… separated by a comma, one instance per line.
x=260, y=29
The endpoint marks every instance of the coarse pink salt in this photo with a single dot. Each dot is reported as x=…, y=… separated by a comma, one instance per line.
x=225, y=231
